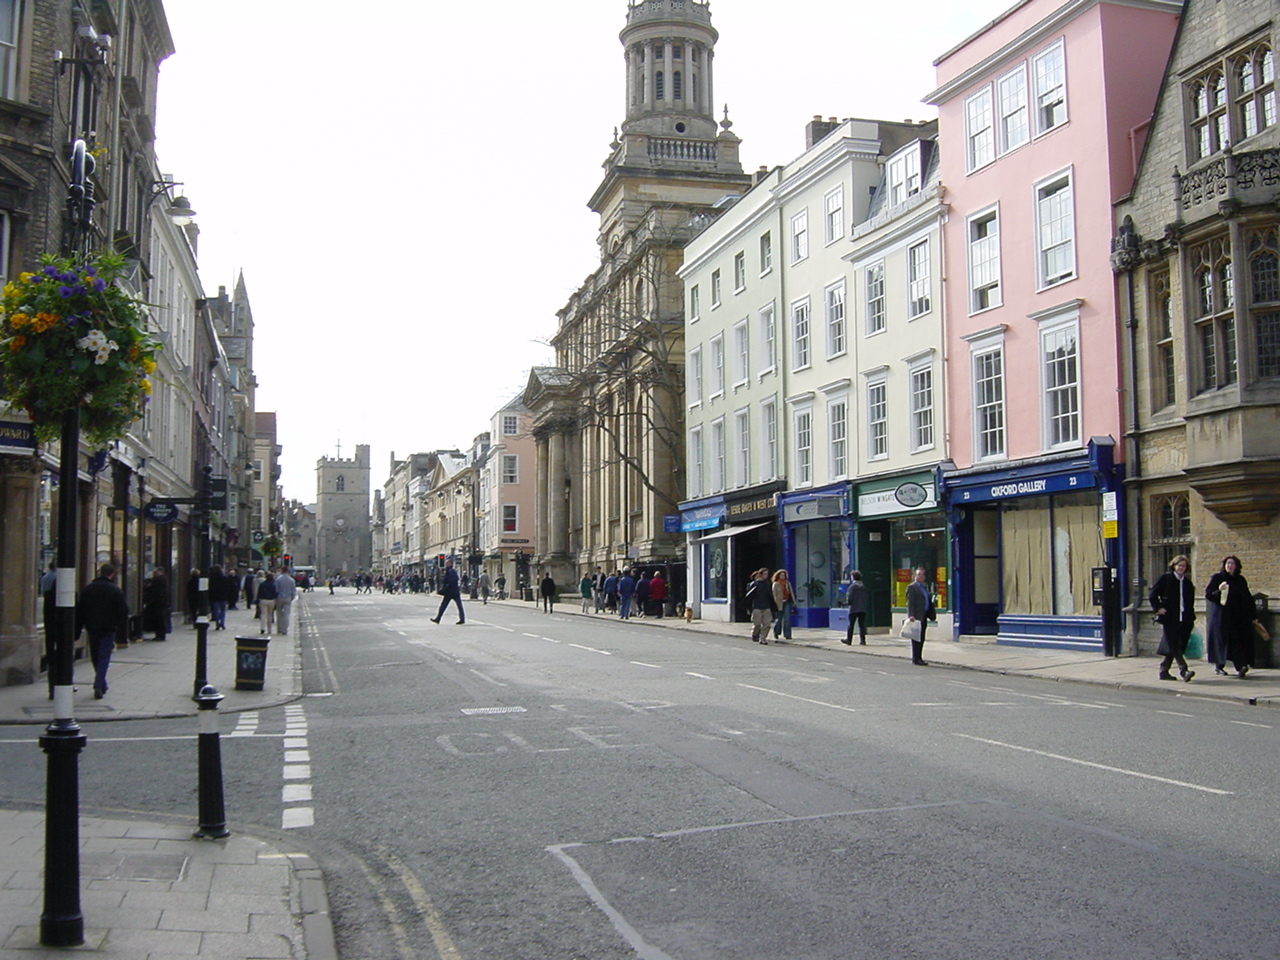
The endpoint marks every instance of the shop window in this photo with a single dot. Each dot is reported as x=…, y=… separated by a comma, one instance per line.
x=919, y=541
x=715, y=569
x=1049, y=546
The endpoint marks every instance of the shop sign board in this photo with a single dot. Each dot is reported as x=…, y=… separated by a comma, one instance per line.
x=1029, y=487
x=905, y=496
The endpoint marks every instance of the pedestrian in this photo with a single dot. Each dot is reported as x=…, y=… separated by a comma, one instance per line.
x=484, y=586
x=266, y=604
x=642, y=593
x=626, y=592
x=329, y=583
x=249, y=586
x=155, y=604
x=217, y=597
x=49, y=596
x=587, y=589
x=784, y=599
x=857, y=609
x=597, y=587
x=500, y=582
x=1232, y=615
x=286, y=593
x=759, y=598
x=657, y=593
x=1173, y=598
x=611, y=591
x=193, y=596
x=547, y=590
x=921, y=610
x=450, y=591
x=232, y=589
x=103, y=613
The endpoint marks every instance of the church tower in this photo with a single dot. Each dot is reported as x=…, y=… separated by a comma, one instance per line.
x=670, y=146
x=344, y=540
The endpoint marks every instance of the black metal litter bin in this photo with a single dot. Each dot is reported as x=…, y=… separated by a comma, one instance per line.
x=251, y=662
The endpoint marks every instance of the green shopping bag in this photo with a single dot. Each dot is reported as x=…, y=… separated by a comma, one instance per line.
x=1195, y=646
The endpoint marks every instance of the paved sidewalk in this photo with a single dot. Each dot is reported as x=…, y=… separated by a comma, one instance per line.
x=148, y=890
x=1260, y=688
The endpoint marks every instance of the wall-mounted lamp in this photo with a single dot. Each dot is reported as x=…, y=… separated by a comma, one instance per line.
x=179, y=210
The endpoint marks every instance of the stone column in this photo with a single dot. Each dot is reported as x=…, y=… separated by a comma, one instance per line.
x=540, y=500
x=557, y=508
x=20, y=643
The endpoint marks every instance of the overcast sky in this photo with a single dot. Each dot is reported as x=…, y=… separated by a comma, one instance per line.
x=404, y=184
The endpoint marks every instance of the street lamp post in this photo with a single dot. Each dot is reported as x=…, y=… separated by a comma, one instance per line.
x=61, y=922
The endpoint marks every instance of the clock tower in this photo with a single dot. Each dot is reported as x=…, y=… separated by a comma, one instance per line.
x=344, y=542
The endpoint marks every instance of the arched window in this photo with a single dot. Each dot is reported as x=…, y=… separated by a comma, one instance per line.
x=639, y=301
x=340, y=484
x=1264, y=297
x=1171, y=530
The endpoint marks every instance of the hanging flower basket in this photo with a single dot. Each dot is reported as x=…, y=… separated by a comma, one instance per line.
x=71, y=336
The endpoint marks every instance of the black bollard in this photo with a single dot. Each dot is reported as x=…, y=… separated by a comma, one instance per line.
x=213, y=817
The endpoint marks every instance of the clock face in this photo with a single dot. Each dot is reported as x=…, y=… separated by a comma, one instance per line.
x=340, y=522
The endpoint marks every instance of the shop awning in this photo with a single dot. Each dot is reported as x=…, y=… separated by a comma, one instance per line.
x=730, y=532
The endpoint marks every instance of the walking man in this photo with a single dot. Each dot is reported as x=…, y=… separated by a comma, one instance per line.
x=286, y=593
x=102, y=611
x=451, y=591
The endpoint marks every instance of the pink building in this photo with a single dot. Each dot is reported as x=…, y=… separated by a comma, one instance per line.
x=1041, y=118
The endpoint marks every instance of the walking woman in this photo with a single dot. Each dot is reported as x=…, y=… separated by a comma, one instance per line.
x=1231, y=618
x=1173, y=598
x=857, y=609
x=785, y=600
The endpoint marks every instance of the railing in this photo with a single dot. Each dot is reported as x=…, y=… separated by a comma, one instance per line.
x=660, y=149
x=663, y=9
x=1228, y=177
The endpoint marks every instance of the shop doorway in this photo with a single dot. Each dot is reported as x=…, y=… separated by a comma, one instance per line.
x=877, y=573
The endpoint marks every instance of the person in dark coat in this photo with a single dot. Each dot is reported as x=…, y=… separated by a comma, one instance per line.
x=857, y=609
x=217, y=597
x=642, y=593
x=1231, y=617
x=193, y=596
x=155, y=604
x=102, y=611
x=922, y=610
x=1173, y=598
x=49, y=594
x=626, y=591
x=547, y=590
x=759, y=598
x=450, y=592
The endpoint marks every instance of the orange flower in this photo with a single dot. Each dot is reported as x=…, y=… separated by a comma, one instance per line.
x=44, y=321
x=17, y=343
x=19, y=320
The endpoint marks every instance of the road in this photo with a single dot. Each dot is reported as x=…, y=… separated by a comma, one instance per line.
x=547, y=786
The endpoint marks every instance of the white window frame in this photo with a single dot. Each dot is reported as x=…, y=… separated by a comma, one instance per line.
x=877, y=305
x=695, y=303
x=695, y=377
x=919, y=279
x=834, y=306
x=984, y=260
x=739, y=271
x=877, y=392
x=695, y=471
x=833, y=215
x=717, y=366
x=1055, y=230
x=769, y=440
x=716, y=284
x=984, y=447
x=742, y=445
x=838, y=436
x=510, y=425
x=922, y=393
x=802, y=423
x=801, y=334
x=718, y=466
x=766, y=252
x=510, y=468
x=1049, y=84
x=800, y=236
x=1012, y=112
x=511, y=512
x=903, y=176
x=768, y=338
x=979, y=130
x=1060, y=382
x=9, y=53
x=741, y=352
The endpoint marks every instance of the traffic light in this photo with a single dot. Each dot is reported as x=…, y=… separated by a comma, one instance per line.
x=287, y=560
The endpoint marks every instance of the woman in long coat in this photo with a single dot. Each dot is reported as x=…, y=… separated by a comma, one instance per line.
x=155, y=604
x=1231, y=617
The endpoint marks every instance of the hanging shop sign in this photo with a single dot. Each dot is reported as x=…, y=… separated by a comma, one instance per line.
x=158, y=512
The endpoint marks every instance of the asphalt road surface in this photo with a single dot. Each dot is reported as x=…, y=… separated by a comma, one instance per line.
x=547, y=787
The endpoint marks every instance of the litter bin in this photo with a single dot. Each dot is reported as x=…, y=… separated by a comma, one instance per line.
x=251, y=662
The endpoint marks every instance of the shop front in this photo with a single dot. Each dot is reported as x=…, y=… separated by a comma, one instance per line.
x=900, y=526
x=729, y=538
x=1026, y=540
x=816, y=533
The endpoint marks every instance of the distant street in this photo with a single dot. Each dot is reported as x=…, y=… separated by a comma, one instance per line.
x=552, y=787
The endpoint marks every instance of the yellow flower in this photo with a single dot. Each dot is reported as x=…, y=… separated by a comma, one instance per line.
x=149, y=366
x=146, y=386
x=26, y=277
x=10, y=289
x=19, y=320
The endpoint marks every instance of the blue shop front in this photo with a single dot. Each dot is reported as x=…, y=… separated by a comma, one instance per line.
x=1025, y=540
x=816, y=530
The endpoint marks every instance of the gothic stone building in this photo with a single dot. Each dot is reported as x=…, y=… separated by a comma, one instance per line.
x=1197, y=257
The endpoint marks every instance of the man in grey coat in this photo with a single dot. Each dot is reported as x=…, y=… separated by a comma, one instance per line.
x=286, y=592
